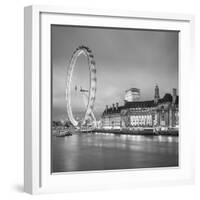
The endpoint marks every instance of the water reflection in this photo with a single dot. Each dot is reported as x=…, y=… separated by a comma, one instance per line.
x=109, y=151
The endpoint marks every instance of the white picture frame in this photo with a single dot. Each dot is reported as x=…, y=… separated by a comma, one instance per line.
x=37, y=173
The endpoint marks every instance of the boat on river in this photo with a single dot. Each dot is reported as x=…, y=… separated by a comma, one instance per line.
x=64, y=134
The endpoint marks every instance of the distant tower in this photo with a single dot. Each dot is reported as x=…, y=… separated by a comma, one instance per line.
x=174, y=96
x=157, y=96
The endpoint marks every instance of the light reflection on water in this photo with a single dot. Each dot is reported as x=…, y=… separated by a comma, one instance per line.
x=101, y=151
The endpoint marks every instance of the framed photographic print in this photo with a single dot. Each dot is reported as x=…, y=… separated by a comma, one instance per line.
x=107, y=99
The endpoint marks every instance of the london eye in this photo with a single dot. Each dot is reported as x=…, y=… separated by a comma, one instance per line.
x=88, y=94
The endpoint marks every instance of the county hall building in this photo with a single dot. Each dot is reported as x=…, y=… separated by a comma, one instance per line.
x=157, y=114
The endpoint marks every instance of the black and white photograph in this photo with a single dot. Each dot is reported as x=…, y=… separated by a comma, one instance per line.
x=114, y=98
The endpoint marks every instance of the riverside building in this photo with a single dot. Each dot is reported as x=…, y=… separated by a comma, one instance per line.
x=157, y=114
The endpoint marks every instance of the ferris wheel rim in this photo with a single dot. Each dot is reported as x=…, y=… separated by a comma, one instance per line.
x=92, y=85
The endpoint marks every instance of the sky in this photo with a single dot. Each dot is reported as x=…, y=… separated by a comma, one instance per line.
x=125, y=58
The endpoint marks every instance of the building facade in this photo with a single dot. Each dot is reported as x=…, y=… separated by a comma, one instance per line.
x=157, y=114
x=133, y=94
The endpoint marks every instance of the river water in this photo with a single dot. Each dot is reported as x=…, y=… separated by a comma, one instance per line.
x=101, y=151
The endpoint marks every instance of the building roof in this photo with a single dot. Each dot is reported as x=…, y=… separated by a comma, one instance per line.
x=141, y=104
x=133, y=90
x=113, y=111
x=167, y=98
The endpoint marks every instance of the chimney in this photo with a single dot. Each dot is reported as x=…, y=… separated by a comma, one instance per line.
x=113, y=106
x=117, y=105
x=174, y=95
x=106, y=108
